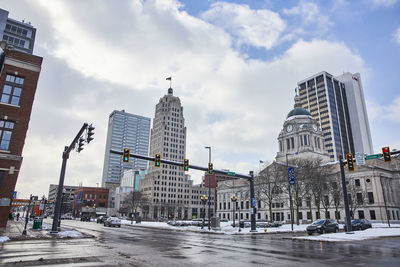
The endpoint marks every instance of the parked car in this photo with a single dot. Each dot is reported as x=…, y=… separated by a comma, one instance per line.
x=112, y=221
x=359, y=224
x=323, y=226
x=101, y=219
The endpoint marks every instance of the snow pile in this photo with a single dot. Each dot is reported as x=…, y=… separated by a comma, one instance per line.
x=46, y=226
x=71, y=233
x=357, y=235
x=4, y=239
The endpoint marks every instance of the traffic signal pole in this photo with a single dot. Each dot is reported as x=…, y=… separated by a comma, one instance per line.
x=249, y=177
x=65, y=156
x=345, y=196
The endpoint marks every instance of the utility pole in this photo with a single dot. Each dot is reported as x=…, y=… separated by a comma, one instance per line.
x=209, y=189
x=27, y=215
x=290, y=194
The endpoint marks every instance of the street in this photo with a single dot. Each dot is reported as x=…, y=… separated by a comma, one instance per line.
x=136, y=246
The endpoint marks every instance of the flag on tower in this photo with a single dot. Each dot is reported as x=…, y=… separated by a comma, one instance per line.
x=169, y=79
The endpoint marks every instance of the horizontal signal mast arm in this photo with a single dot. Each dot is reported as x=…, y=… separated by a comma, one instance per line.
x=180, y=164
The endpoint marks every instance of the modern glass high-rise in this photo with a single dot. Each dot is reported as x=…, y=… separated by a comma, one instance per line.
x=324, y=96
x=20, y=35
x=125, y=130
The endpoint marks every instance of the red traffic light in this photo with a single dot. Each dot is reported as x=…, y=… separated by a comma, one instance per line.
x=387, y=157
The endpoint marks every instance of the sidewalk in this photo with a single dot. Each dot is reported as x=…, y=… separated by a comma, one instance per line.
x=14, y=231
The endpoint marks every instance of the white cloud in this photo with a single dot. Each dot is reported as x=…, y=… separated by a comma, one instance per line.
x=310, y=16
x=392, y=111
x=93, y=66
x=396, y=35
x=260, y=28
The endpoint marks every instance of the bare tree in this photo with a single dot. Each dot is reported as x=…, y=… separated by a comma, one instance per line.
x=269, y=185
x=133, y=201
x=356, y=196
x=336, y=193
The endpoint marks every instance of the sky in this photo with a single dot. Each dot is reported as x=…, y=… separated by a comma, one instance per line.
x=234, y=65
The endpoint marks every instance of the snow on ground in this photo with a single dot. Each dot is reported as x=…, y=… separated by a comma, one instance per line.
x=4, y=239
x=378, y=230
x=355, y=236
x=71, y=233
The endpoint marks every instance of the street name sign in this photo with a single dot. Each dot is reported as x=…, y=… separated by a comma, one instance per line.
x=374, y=156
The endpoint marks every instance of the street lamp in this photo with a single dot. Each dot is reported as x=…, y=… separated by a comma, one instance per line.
x=203, y=200
x=234, y=199
x=209, y=188
x=290, y=193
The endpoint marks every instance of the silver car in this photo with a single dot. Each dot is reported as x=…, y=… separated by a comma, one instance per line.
x=112, y=221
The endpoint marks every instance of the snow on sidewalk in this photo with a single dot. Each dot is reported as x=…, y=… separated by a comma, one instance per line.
x=356, y=236
x=4, y=239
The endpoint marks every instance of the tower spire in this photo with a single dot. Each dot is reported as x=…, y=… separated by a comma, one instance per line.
x=170, y=91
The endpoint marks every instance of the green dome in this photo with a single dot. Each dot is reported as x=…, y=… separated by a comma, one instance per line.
x=298, y=111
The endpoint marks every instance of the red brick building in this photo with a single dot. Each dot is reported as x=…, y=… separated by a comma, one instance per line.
x=18, y=80
x=90, y=199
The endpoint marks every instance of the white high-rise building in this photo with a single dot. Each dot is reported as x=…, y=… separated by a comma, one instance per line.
x=170, y=191
x=338, y=106
x=125, y=130
x=358, y=112
x=20, y=35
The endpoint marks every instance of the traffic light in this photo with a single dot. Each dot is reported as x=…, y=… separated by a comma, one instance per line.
x=350, y=162
x=210, y=169
x=185, y=165
x=157, y=160
x=90, y=133
x=81, y=144
x=125, y=155
x=387, y=157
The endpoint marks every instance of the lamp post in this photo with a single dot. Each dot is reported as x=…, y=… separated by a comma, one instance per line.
x=234, y=199
x=203, y=200
x=290, y=193
x=209, y=189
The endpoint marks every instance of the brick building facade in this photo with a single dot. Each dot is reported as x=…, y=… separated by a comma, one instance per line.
x=92, y=199
x=18, y=80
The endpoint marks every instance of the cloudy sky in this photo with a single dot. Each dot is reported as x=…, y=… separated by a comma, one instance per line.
x=234, y=65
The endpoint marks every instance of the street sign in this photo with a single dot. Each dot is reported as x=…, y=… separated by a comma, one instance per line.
x=231, y=173
x=360, y=158
x=374, y=156
x=291, y=175
x=253, y=202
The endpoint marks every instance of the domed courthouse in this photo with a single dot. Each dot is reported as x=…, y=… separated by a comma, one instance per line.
x=301, y=136
x=373, y=188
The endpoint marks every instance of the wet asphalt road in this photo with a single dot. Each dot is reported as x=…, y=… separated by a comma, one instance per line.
x=134, y=246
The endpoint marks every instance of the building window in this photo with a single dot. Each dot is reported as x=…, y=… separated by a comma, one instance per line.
x=12, y=89
x=357, y=181
x=292, y=141
x=288, y=144
x=359, y=198
x=1, y=177
x=372, y=214
x=361, y=214
x=370, y=197
x=6, y=128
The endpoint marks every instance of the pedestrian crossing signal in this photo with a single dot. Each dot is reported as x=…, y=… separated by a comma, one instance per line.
x=185, y=165
x=157, y=160
x=350, y=162
x=125, y=155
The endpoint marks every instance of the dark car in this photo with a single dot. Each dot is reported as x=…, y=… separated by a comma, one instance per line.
x=323, y=226
x=101, y=219
x=360, y=224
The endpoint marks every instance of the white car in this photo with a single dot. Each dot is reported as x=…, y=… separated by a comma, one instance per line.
x=112, y=221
